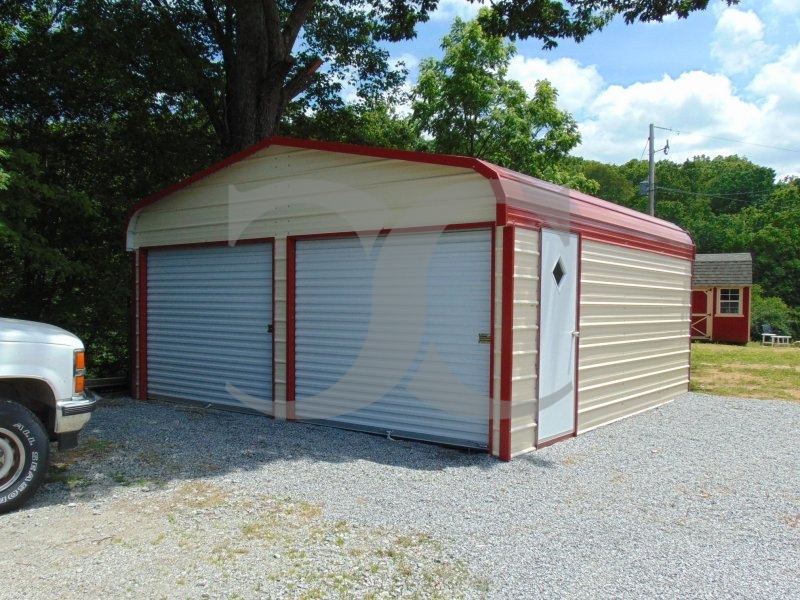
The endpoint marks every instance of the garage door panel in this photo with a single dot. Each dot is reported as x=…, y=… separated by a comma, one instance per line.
x=335, y=299
x=208, y=313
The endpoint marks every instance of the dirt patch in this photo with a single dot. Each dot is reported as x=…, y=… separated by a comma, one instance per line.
x=748, y=381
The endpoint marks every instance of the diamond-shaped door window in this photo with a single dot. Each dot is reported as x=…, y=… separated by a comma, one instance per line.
x=559, y=273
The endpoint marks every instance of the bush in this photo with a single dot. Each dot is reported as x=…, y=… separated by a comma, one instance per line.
x=774, y=311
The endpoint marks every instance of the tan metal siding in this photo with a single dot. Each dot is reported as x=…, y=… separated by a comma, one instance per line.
x=634, y=332
x=296, y=192
x=526, y=341
x=280, y=328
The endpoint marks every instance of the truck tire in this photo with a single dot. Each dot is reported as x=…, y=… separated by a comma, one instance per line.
x=24, y=448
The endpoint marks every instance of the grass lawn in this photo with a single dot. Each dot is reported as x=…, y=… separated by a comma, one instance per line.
x=752, y=371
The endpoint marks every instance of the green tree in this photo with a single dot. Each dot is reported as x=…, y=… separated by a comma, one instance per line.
x=245, y=61
x=731, y=182
x=466, y=105
x=85, y=137
x=772, y=311
x=770, y=232
x=373, y=124
x=612, y=183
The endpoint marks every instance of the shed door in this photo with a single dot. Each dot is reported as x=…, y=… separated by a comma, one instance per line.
x=702, y=305
x=395, y=338
x=209, y=316
x=558, y=337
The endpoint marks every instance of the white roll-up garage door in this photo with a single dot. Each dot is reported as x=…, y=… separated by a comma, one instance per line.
x=394, y=337
x=209, y=325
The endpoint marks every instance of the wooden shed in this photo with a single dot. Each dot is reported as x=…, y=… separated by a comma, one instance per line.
x=419, y=296
x=721, y=290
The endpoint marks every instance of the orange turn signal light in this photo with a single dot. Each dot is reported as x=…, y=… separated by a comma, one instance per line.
x=80, y=372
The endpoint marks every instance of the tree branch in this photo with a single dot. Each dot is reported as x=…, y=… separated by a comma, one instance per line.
x=221, y=35
x=203, y=88
x=296, y=21
x=298, y=84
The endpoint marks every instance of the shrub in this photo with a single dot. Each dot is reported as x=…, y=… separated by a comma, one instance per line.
x=782, y=317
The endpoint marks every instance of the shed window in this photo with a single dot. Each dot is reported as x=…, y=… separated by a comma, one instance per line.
x=730, y=301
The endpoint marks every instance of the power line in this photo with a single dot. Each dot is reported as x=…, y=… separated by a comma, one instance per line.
x=761, y=193
x=641, y=156
x=711, y=137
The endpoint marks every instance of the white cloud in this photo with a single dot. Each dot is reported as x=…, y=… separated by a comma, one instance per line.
x=785, y=7
x=739, y=41
x=450, y=9
x=780, y=81
x=696, y=102
x=576, y=84
x=778, y=84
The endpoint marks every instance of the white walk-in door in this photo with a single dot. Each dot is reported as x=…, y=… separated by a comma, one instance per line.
x=558, y=334
x=209, y=325
x=394, y=337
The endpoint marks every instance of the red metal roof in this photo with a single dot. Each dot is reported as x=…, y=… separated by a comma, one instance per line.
x=521, y=199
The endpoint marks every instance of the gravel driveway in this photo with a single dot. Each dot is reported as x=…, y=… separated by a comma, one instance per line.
x=697, y=499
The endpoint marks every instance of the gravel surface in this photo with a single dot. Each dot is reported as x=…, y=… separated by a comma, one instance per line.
x=697, y=499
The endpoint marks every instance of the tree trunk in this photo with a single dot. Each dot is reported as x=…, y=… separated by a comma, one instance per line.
x=259, y=85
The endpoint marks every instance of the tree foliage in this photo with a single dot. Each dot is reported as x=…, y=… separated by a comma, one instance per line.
x=772, y=311
x=84, y=138
x=465, y=104
x=245, y=61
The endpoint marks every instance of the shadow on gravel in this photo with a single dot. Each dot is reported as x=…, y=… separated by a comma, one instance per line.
x=147, y=444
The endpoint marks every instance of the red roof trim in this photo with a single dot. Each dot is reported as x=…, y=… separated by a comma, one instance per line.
x=535, y=203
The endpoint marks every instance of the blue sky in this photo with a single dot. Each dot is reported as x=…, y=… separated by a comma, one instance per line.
x=725, y=81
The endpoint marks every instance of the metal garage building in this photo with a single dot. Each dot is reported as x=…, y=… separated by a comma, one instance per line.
x=421, y=296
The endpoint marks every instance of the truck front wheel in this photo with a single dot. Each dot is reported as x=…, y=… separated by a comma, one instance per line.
x=24, y=447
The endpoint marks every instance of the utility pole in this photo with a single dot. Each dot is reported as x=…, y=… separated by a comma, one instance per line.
x=651, y=178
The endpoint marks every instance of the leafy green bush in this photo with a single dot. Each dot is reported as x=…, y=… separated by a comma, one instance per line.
x=774, y=311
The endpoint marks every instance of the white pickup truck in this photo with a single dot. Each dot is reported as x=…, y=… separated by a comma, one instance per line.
x=42, y=399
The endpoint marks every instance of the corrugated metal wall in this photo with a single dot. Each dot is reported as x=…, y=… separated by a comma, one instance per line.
x=208, y=314
x=391, y=341
x=526, y=340
x=634, y=324
x=280, y=279
x=283, y=191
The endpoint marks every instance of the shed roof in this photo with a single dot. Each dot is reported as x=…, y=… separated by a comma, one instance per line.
x=723, y=269
x=520, y=199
